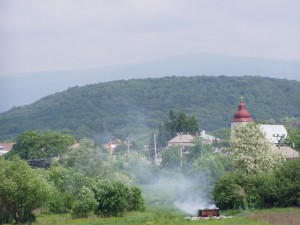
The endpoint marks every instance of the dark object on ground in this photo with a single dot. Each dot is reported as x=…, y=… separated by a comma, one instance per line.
x=208, y=212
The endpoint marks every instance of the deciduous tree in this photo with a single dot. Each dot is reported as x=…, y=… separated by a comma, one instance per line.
x=293, y=138
x=177, y=122
x=22, y=189
x=171, y=157
x=32, y=145
x=252, y=152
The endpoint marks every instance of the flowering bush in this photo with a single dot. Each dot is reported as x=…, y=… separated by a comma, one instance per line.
x=251, y=151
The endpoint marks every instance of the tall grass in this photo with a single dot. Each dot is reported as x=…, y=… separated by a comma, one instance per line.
x=289, y=216
x=160, y=216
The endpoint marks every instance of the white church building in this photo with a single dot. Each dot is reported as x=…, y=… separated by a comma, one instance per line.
x=275, y=134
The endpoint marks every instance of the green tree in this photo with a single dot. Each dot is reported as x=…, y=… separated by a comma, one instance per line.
x=68, y=185
x=121, y=149
x=171, y=157
x=135, y=166
x=279, y=188
x=85, y=203
x=228, y=194
x=115, y=198
x=85, y=158
x=177, y=122
x=211, y=167
x=238, y=190
x=287, y=178
x=293, y=139
x=291, y=122
x=136, y=201
x=192, y=125
x=252, y=152
x=22, y=189
x=27, y=146
x=197, y=150
x=31, y=145
x=222, y=133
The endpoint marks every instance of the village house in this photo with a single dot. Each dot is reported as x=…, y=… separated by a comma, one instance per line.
x=183, y=140
x=207, y=138
x=5, y=147
x=112, y=145
x=188, y=140
x=276, y=134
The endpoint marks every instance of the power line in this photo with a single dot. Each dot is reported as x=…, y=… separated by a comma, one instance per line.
x=66, y=157
x=59, y=158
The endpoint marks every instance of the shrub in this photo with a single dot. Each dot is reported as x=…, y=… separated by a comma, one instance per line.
x=278, y=189
x=261, y=191
x=61, y=202
x=68, y=184
x=22, y=189
x=211, y=166
x=135, y=201
x=287, y=178
x=112, y=198
x=115, y=198
x=85, y=203
x=171, y=158
x=228, y=193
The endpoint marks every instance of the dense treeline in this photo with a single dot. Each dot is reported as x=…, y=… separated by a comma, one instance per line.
x=279, y=188
x=82, y=181
x=123, y=107
x=261, y=177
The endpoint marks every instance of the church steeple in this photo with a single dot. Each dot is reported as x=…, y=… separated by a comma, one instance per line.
x=241, y=115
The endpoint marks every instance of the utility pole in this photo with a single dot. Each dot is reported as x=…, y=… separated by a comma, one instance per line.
x=180, y=150
x=155, y=156
x=110, y=147
x=127, y=144
x=293, y=149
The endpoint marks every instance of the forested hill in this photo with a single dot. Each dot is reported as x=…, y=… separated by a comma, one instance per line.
x=125, y=107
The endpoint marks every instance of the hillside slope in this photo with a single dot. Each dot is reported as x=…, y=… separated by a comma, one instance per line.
x=123, y=107
x=21, y=89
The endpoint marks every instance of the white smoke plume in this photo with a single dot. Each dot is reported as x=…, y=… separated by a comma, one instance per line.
x=187, y=194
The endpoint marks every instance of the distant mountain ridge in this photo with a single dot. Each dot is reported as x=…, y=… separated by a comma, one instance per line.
x=22, y=89
x=121, y=108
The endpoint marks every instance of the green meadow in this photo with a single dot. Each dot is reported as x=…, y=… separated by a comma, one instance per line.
x=156, y=215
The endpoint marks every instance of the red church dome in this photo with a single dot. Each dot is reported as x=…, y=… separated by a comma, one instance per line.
x=242, y=115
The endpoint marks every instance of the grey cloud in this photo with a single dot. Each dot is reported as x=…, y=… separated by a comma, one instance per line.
x=72, y=34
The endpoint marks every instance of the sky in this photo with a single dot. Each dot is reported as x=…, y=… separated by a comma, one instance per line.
x=47, y=35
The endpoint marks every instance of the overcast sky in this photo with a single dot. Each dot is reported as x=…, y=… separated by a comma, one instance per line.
x=71, y=34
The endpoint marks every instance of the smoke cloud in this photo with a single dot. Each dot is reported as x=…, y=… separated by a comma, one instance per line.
x=182, y=192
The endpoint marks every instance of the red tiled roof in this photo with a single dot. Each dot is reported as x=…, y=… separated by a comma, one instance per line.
x=6, y=146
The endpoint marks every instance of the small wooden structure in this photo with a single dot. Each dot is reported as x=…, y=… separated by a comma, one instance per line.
x=208, y=212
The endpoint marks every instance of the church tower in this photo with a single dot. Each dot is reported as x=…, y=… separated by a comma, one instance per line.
x=241, y=116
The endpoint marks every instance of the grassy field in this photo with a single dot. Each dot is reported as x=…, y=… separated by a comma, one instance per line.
x=157, y=216
x=161, y=210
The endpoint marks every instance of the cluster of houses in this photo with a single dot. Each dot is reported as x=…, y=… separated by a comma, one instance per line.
x=275, y=134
